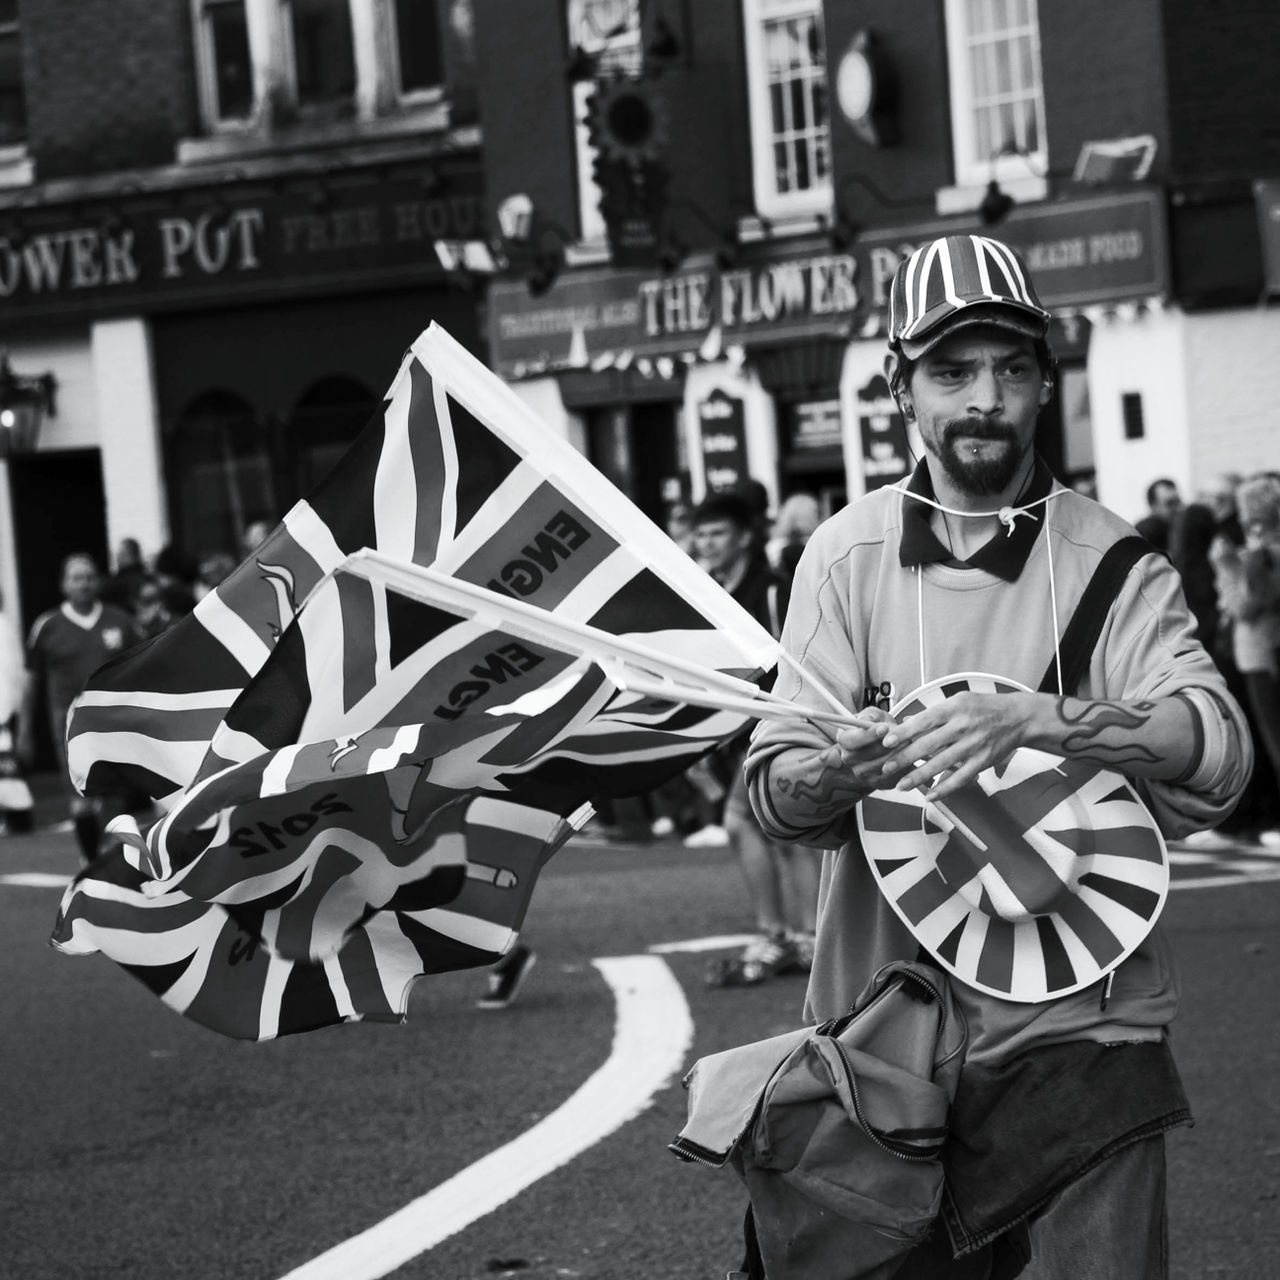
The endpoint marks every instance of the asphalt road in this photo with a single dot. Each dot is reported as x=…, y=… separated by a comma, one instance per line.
x=134, y=1144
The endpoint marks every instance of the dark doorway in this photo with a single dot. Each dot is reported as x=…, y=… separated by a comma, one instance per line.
x=59, y=508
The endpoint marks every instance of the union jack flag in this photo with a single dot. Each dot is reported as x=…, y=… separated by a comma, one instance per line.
x=323, y=744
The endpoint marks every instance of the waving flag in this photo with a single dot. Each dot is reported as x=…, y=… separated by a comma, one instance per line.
x=243, y=970
x=455, y=472
x=323, y=743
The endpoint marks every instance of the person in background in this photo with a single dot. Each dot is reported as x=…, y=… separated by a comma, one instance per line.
x=120, y=588
x=254, y=535
x=65, y=646
x=679, y=524
x=1248, y=581
x=1190, y=537
x=1163, y=503
x=1220, y=498
x=793, y=526
x=151, y=613
x=214, y=568
x=781, y=879
x=175, y=573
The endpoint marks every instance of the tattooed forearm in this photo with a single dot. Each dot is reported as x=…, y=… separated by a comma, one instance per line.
x=827, y=793
x=1105, y=732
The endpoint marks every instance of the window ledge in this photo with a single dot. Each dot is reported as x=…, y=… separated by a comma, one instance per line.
x=752, y=229
x=17, y=168
x=312, y=136
x=966, y=199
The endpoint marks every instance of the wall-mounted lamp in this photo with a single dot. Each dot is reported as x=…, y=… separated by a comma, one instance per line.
x=530, y=243
x=581, y=65
x=664, y=45
x=24, y=404
x=995, y=204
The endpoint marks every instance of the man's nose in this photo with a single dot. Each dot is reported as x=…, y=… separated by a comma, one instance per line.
x=986, y=395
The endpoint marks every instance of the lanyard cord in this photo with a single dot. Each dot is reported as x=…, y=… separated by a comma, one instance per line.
x=1007, y=516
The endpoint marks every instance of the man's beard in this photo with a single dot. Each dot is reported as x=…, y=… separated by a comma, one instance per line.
x=978, y=474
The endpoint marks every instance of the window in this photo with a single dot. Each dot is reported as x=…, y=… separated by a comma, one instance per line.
x=608, y=33
x=221, y=474
x=790, y=133
x=320, y=52
x=13, y=105
x=316, y=59
x=997, y=98
x=419, y=54
x=226, y=65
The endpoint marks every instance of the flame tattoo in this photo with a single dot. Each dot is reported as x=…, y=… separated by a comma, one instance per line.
x=1101, y=732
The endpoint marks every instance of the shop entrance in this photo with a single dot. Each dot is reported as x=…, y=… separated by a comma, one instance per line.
x=637, y=447
x=59, y=508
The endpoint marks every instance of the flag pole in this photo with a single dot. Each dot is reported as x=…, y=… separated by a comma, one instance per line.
x=538, y=625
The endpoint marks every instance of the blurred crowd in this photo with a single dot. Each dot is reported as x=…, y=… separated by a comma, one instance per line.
x=1226, y=547
x=693, y=806
x=168, y=587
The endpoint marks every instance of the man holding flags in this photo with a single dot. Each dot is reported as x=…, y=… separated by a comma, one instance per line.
x=1004, y=825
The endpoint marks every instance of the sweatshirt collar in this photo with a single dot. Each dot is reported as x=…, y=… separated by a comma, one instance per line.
x=1004, y=554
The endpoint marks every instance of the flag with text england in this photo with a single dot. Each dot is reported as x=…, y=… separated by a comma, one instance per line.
x=455, y=472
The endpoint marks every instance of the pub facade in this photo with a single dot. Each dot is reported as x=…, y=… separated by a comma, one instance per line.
x=220, y=271
x=733, y=324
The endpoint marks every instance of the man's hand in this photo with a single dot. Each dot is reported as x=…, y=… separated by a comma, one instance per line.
x=812, y=787
x=946, y=746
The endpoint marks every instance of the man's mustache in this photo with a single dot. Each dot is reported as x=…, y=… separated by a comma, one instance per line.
x=977, y=430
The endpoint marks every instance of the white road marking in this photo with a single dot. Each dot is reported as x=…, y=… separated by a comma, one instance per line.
x=1246, y=873
x=651, y=1040
x=36, y=880
x=725, y=942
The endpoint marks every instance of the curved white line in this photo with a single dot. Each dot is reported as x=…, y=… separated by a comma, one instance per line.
x=651, y=1039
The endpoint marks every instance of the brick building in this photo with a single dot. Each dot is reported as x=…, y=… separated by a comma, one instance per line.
x=218, y=230
x=765, y=163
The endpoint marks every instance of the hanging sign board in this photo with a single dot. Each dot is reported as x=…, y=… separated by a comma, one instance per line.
x=886, y=457
x=722, y=420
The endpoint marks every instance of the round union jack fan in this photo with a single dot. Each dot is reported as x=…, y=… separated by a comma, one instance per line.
x=1034, y=881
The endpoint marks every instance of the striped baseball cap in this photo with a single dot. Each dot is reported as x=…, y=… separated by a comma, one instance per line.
x=1035, y=881
x=958, y=281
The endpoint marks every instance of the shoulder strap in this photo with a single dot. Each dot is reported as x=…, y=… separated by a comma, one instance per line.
x=1076, y=647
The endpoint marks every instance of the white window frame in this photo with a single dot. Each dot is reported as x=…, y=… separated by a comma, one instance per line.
x=374, y=45
x=621, y=52
x=1022, y=175
x=770, y=202
x=427, y=95
x=17, y=169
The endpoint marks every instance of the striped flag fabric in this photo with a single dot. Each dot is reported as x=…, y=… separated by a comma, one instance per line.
x=243, y=969
x=366, y=783
x=455, y=472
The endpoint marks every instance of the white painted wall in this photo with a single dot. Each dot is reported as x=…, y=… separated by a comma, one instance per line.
x=542, y=395
x=129, y=430
x=68, y=357
x=1233, y=392
x=1146, y=355
x=760, y=413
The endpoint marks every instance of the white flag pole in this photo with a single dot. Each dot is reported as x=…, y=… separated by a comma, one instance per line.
x=537, y=625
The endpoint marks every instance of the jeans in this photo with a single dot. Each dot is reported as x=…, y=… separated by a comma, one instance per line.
x=1109, y=1224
